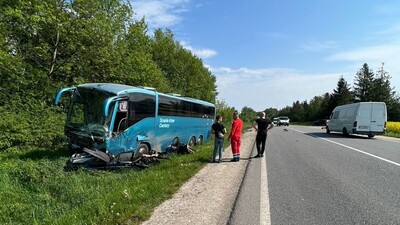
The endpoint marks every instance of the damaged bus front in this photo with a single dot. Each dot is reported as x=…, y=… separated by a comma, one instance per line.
x=112, y=124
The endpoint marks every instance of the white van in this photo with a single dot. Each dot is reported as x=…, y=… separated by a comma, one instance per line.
x=368, y=118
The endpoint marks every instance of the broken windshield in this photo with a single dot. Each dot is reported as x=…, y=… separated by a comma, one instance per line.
x=86, y=112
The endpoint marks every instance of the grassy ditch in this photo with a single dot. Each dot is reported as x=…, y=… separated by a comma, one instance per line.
x=35, y=189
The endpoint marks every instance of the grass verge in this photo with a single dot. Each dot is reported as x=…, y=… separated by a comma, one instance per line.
x=35, y=189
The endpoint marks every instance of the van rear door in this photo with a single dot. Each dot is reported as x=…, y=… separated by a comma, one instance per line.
x=364, y=118
x=378, y=117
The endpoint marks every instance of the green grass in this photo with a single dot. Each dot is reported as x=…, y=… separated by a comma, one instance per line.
x=392, y=134
x=36, y=190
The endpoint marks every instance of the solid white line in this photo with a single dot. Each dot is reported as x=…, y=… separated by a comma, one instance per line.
x=365, y=153
x=265, y=216
x=354, y=149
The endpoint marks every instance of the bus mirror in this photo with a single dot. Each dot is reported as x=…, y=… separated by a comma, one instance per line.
x=58, y=96
x=110, y=100
x=123, y=106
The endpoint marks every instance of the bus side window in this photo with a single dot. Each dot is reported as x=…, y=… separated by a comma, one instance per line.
x=120, y=122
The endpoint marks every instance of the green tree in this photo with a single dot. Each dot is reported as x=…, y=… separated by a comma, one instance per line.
x=383, y=92
x=296, y=112
x=224, y=110
x=271, y=113
x=184, y=71
x=363, y=84
x=342, y=94
x=248, y=114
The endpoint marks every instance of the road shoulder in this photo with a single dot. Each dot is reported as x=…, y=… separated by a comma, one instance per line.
x=209, y=196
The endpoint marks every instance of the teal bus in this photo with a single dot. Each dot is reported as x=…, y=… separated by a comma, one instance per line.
x=112, y=123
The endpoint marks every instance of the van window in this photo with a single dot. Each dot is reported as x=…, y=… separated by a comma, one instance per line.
x=336, y=114
x=343, y=114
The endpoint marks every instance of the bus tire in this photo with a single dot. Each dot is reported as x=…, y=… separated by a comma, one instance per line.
x=327, y=130
x=175, y=142
x=192, y=141
x=141, y=150
x=200, y=141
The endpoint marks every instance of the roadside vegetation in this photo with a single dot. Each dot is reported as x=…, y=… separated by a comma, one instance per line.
x=36, y=190
x=393, y=129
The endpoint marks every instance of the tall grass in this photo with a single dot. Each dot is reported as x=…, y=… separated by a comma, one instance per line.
x=35, y=189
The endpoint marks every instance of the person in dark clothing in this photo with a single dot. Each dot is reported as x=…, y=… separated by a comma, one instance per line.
x=262, y=125
x=219, y=130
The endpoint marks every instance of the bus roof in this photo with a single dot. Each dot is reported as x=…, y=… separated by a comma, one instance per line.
x=112, y=88
x=118, y=89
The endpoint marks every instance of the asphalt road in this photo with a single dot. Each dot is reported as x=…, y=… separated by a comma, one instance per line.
x=318, y=178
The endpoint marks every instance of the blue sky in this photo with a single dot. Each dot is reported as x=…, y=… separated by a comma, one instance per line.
x=268, y=53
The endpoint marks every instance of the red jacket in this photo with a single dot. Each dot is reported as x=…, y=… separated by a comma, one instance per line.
x=236, y=130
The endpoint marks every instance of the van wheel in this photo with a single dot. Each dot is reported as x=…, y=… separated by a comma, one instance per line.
x=345, y=132
x=327, y=130
x=371, y=135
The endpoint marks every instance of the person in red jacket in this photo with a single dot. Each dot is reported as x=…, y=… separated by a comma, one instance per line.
x=234, y=136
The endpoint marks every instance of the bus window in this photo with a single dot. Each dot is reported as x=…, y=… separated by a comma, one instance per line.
x=141, y=106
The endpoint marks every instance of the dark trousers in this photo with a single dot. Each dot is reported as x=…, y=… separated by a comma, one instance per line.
x=261, y=138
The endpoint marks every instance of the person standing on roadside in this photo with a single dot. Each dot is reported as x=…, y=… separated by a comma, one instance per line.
x=235, y=135
x=261, y=125
x=219, y=130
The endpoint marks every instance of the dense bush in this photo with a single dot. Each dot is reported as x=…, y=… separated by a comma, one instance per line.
x=41, y=128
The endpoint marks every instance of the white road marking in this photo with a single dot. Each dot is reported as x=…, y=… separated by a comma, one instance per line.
x=265, y=216
x=351, y=148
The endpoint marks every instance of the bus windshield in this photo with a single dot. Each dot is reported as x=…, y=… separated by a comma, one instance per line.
x=86, y=112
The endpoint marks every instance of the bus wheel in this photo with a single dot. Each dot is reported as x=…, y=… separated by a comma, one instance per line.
x=141, y=150
x=327, y=130
x=371, y=135
x=192, y=142
x=200, y=141
x=345, y=133
x=175, y=142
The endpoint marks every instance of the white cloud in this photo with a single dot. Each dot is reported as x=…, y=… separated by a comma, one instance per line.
x=373, y=53
x=270, y=87
x=160, y=13
x=374, y=56
x=318, y=46
x=200, y=52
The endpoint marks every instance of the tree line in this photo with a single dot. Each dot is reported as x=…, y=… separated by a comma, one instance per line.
x=368, y=86
x=46, y=45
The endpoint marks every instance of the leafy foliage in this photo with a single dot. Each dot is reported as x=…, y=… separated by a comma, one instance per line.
x=46, y=45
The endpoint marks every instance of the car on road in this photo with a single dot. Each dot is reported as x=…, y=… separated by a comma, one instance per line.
x=275, y=121
x=283, y=120
x=319, y=122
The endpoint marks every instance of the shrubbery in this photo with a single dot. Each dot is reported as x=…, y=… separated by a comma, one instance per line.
x=41, y=128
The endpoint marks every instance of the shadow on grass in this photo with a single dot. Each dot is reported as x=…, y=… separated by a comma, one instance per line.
x=42, y=153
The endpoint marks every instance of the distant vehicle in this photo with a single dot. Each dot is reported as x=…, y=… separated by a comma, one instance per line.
x=283, y=120
x=275, y=121
x=114, y=123
x=366, y=118
x=319, y=122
